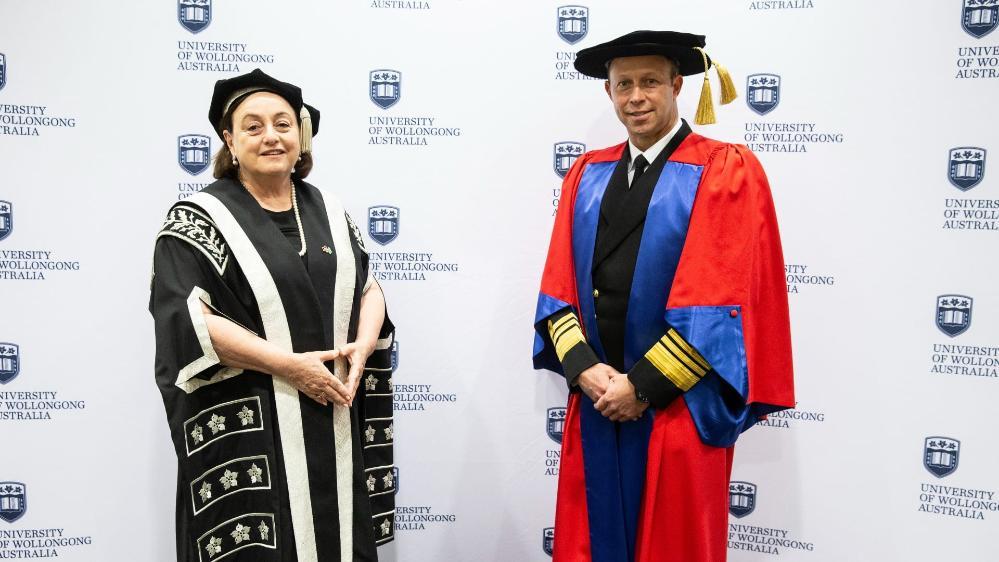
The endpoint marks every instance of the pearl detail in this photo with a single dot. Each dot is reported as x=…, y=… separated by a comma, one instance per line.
x=298, y=218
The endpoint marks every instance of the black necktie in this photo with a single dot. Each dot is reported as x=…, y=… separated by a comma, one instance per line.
x=640, y=165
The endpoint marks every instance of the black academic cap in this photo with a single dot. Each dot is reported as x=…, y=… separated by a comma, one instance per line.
x=229, y=91
x=681, y=47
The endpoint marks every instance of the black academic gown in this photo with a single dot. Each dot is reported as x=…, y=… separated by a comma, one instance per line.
x=266, y=473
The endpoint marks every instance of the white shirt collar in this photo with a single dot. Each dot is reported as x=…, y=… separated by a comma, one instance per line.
x=653, y=151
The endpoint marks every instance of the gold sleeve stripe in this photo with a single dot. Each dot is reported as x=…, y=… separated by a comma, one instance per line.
x=552, y=328
x=558, y=334
x=671, y=367
x=565, y=334
x=684, y=359
x=556, y=331
x=689, y=349
x=568, y=341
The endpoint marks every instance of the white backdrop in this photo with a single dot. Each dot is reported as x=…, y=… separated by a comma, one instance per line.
x=873, y=97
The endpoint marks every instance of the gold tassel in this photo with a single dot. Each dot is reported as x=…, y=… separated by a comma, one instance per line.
x=728, y=93
x=306, y=132
x=705, y=107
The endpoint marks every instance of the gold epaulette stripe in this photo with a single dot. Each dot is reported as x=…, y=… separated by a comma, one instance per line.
x=565, y=334
x=671, y=367
x=688, y=349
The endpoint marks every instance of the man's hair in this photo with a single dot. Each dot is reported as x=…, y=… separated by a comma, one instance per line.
x=674, y=68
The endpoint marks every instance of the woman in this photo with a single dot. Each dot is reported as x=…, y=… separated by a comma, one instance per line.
x=266, y=316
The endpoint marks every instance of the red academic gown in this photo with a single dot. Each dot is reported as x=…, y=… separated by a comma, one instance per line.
x=656, y=490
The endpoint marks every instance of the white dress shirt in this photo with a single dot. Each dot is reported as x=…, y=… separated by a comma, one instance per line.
x=653, y=151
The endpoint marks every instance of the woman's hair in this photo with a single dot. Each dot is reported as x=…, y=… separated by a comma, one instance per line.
x=224, y=168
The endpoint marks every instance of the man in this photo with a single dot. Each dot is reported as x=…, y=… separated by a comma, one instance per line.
x=663, y=303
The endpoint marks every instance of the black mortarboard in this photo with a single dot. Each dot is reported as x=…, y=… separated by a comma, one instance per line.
x=230, y=91
x=686, y=49
x=681, y=47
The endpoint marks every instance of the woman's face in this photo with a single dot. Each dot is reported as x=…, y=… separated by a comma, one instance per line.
x=264, y=137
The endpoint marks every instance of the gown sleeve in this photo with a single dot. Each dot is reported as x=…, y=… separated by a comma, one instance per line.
x=729, y=299
x=558, y=283
x=190, y=261
x=375, y=404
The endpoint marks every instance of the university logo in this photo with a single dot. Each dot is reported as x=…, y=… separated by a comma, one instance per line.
x=395, y=478
x=6, y=219
x=556, y=422
x=194, y=153
x=194, y=15
x=10, y=362
x=385, y=87
x=13, y=501
x=762, y=92
x=548, y=540
x=3, y=70
x=565, y=154
x=978, y=17
x=741, y=498
x=940, y=455
x=383, y=223
x=394, y=355
x=573, y=23
x=954, y=314
x=966, y=166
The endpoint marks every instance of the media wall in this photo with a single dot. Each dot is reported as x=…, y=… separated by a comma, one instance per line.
x=451, y=123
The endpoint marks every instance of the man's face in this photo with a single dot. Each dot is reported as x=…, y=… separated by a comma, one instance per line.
x=644, y=96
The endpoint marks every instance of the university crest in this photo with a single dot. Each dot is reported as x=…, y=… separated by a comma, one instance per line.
x=979, y=17
x=383, y=223
x=556, y=423
x=564, y=154
x=954, y=314
x=762, y=92
x=194, y=15
x=194, y=153
x=548, y=540
x=741, y=498
x=940, y=455
x=13, y=501
x=6, y=219
x=10, y=362
x=573, y=23
x=385, y=87
x=966, y=166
